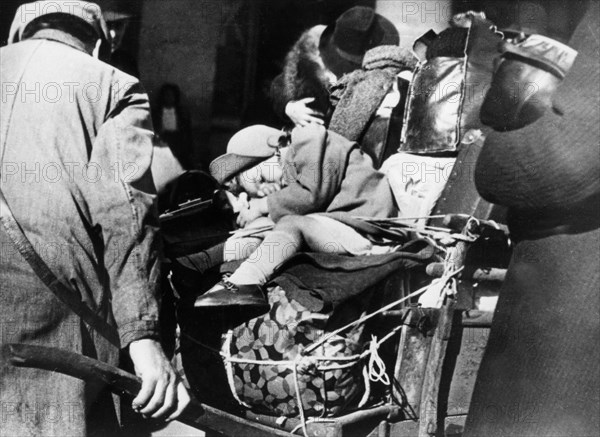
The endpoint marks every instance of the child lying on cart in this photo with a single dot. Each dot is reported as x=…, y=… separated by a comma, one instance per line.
x=256, y=182
x=325, y=178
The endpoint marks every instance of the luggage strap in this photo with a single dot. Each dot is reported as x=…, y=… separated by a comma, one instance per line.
x=64, y=293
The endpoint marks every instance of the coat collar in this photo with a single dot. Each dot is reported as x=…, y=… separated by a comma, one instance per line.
x=63, y=38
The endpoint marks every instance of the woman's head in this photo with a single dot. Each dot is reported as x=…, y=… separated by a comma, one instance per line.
x=344, y=43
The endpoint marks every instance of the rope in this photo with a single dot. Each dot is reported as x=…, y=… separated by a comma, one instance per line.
x=353, y=358
x=425, y=217
x=367, y=392
x=375, y=371
x=376, y=368
x=432, y=231
x=429, y=240
x=374, y=375
x=375, y=313
x=299, y=400
x=229, y=368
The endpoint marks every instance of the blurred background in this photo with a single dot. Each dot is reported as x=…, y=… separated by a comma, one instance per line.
x=218, y=57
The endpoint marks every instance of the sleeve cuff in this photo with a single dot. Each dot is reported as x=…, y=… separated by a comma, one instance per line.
x=138, y=330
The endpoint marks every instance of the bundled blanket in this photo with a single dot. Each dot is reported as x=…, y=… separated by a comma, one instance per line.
x=321, y=281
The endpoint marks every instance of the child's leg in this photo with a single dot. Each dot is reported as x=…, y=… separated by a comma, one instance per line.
x=320, y=234
x=326, y=235
x=279, y=245
x=204, y=260
x=231, y=250
x=240, y=248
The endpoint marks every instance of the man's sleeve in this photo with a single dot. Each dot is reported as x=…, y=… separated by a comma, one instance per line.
x=124, y=212
x=314, y=174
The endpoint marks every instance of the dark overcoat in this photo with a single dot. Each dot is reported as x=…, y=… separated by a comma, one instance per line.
x=540, y=375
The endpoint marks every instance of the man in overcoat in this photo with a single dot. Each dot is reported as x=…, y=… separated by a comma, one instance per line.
x=75, y=152
x=540, y=375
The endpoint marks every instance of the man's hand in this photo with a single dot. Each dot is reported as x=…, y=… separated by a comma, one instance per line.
x=257, y=208
x=162, y=395
x=301, y=114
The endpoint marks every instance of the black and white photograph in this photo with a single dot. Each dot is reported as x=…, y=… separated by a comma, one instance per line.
x=313, y=218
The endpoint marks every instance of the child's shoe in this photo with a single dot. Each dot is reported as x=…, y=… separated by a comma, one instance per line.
x=226, y=293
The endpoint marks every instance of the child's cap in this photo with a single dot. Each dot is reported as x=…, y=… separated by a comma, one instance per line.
x=245, y=149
